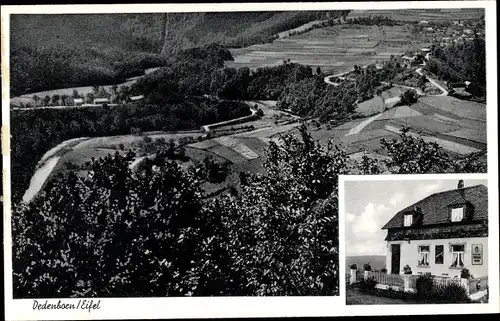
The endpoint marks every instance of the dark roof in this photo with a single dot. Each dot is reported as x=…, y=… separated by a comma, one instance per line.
x=435, y=208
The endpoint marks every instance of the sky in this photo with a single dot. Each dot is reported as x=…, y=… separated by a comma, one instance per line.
x=369, y=205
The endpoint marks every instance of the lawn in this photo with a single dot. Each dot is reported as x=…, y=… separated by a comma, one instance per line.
x=354, y=297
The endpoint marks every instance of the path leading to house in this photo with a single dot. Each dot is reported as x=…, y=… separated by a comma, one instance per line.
x=354, y=297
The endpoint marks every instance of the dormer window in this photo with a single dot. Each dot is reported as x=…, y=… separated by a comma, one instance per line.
x=457, y=214
x=408, y=219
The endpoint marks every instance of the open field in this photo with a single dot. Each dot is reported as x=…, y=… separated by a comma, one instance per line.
x=414, y=15
x=331, y=48
x=458, y=126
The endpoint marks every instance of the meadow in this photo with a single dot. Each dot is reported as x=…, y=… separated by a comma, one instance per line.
x=333, y=49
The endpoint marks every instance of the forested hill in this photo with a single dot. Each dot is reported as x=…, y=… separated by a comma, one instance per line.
x=57, y=51
x=233, y=29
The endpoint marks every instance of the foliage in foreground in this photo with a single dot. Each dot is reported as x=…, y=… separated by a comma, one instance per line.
x=116, y=233
x=412, y=154
x=368, y=285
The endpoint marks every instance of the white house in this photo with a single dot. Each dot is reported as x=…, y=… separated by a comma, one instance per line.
x=136, y=98
x=424, y=22
x=77, y=101
x=100, y=101
x=441, y=234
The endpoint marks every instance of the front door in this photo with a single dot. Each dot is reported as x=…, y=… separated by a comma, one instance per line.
x=395, y=258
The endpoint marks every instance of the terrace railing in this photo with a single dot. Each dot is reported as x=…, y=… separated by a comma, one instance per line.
x=408, y=282
x=392, y=280
x=443, y=281
x=359, y=276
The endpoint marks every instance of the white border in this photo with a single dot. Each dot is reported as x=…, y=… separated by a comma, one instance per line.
x=149, y=308
x=493, y=305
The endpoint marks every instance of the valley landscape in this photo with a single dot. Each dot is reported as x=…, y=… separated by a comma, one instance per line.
x=207, y=147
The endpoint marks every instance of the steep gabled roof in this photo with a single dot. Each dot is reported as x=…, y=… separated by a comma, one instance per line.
x=435, y=208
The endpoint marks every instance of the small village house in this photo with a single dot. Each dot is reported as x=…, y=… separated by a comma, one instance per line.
x=424, y=22
x=441, y=234
x=100, y=101
x=136, y=98
x=77, y=101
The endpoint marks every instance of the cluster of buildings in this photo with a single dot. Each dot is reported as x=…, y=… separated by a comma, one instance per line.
x=460, y=32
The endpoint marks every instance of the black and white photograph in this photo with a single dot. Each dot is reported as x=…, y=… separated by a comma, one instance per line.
x=179, y=151
x=416, y=241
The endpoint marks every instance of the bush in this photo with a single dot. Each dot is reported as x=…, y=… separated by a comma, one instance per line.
x=407, y=269
x=465, y=274
x=393, y=294
x=450, y=293
x=424, y=286
x=354, y=266
x=367, y=267
x=408, y=97
x=383, y=270
x=368, y=285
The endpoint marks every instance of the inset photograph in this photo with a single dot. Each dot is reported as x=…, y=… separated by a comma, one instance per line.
x=416, y=241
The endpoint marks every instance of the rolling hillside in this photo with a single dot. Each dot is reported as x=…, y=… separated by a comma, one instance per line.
x=376, y=261
x=57, y=51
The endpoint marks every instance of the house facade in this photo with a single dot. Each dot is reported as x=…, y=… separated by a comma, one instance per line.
x=441, y=234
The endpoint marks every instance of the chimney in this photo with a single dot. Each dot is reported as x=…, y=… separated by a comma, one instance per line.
x=460, y=184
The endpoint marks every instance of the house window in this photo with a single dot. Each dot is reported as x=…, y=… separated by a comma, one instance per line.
x=457, y=255
x=457, y=214
x=408, y=220
x=423, y=255
x=439, y=254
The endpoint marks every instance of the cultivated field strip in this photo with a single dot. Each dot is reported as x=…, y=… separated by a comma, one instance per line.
x=237, y=146
x=446, y=144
